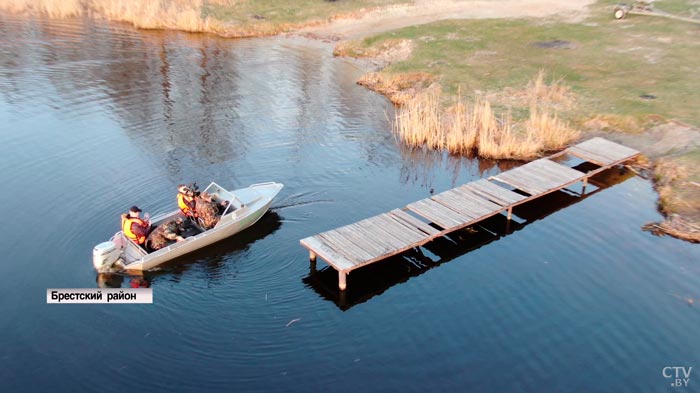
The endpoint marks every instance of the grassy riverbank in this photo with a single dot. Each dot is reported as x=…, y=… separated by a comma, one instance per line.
x=628, y=76
x=228, y=18
x=627, y=72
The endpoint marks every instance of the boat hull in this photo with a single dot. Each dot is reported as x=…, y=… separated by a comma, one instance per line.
x=251, y=204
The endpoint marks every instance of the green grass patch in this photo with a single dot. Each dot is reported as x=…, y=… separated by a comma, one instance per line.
x=635, y=67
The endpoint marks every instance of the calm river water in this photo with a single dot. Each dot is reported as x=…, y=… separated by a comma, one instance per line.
x=96, y=117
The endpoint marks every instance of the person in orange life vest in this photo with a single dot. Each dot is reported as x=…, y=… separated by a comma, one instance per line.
x=186, y=201
x=134, y=227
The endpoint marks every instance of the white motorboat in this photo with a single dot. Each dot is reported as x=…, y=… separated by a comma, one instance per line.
x=245, y=207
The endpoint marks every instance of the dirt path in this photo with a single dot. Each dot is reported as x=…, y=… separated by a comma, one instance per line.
x=426, y=11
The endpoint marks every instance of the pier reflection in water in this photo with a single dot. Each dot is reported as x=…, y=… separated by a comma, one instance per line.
x=374, y=279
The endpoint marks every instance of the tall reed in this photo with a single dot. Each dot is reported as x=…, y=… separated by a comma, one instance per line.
x=55, y=9
x=153, y=14
x=474, y=127
x=537, y=90
x=420, y=122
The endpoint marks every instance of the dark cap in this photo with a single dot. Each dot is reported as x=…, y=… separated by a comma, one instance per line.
x=135, y=209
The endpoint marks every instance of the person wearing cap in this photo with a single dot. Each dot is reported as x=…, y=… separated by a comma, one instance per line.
x=134, y=227
x=186, y=201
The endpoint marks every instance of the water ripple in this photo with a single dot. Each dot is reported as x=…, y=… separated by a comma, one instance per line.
x=99, y=117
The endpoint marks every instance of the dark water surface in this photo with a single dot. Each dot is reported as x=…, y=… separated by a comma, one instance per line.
x=95, y=117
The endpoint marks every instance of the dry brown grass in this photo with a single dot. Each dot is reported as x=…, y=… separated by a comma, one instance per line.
x=619, y=123
x=677, y=190
x=172, y=14
x=552, y=95
x=474, y=127
x=537, y=90
x=399, y=88
x=389, y=51
x=153, y=15
x=54, y=9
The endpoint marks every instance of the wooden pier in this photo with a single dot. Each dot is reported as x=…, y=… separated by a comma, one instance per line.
x=376, y=238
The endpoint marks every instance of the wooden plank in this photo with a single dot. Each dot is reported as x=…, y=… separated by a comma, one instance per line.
x=377, y=228
x=444, y=216
x=563, y=170
x=424, y=210
x=451, y=201
x=349, y=250
x=409, y=219
x=358, y=238
x=556, y=171
x=602, y=151
x=589, y=156
x=519, y=183
x=410, y=235
x=461, y=204
x=609, y=149
x=422, y=236
x=522, y=174
x=428, y=209
x=540, y=176
x=320, y=248
x=484, y=205
x=372, y=229
x=457, y=207
x=356, y=242
x=494, y=192
x=554, y=175
x=535, y=175
x=477, y=203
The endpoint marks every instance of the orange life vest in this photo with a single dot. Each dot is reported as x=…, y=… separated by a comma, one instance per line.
x=186, y=204
x=126, y=229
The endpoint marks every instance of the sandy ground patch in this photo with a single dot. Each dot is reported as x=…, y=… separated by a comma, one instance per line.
x=426, y=11
x=667, y=139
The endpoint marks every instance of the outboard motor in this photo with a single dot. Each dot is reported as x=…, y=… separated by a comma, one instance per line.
x=105, y=256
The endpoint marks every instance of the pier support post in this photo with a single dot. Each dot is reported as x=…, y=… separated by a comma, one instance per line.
x=312, y=261
x=510, y=212
x=585, y=183
x=342, y=284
